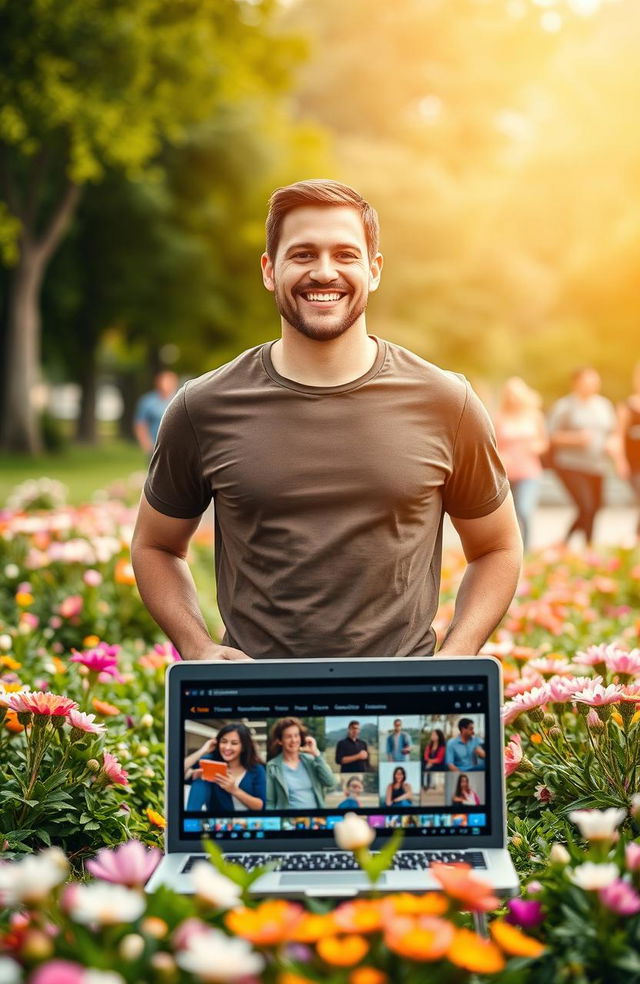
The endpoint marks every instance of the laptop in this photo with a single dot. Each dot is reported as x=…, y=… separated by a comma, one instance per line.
x=413, y=743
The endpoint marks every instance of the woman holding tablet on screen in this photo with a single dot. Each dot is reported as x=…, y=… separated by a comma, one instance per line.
x=233, y=773
x=297, y=774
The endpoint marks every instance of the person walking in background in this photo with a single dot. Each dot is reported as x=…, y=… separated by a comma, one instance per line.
x=629, y=431
x=521, y=438
x=583, y=434
x=150, y=408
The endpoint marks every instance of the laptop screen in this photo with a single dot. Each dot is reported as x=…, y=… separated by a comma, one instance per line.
x=267, y=760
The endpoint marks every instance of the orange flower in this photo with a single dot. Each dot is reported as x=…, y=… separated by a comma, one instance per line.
x=425, y=938
x=104, y=708
x=367, y=975
x=11, y=722
x=24, y=599
x=156, y=818
x=288, y=978
x=363, y=916
x=90, y=641
x=123, y=573
x=617, y=717
x=405, y=904
x=313, y=927
x=342, y=951
x=460, y=883
x=513, y=942
x=59, y=665
x=470, y=951
x=268, y=925
x=536, y=738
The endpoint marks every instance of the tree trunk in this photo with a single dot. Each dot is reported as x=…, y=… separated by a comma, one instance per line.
x=86, y=428
x=20, y=429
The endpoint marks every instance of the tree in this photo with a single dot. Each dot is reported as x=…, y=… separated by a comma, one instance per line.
x=93, y=86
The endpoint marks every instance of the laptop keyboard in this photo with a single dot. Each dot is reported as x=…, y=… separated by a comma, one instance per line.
x=344, y=861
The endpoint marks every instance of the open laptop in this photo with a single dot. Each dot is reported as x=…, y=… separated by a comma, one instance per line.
x=447, y=814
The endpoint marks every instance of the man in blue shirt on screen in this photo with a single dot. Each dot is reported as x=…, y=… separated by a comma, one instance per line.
x=465, y=753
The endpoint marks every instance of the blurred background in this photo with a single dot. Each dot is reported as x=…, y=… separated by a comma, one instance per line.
x=139, y=142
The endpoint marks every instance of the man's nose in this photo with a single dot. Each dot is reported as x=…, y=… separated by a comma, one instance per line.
x=324, y=270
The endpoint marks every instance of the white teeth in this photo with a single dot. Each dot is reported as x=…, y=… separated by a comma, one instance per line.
x=322, y=297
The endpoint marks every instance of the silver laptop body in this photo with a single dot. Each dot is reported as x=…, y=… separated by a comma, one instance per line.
x=444, y=817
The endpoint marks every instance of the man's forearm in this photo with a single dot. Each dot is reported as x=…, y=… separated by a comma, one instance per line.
x=169, y=593
x=484, y=595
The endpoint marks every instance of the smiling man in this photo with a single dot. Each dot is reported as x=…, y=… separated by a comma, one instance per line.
x=331, y=457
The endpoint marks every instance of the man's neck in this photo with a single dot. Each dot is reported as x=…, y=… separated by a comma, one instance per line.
x=331, y=363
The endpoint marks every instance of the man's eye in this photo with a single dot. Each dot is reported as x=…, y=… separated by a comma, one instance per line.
x=347, y=256
x=301, y=256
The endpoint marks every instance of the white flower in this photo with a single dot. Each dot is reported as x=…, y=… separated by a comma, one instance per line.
x=592, y=877
x=10, y=971
x=353, y=832
x=6, y=642
x=30, y=881
x=12, y=571
x=559, y=854
x=214, y=888
x=598, y=824
x=105, y=904
x=131, y=946
x=215, y=958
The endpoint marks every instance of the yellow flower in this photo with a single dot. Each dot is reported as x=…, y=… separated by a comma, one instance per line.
x=342, y=951
x=617, y=717
x=470, y=951
x=10, y=662
x=362, y=916
x=90, y=641
x=24, y=599
x=313, y=927
x=405, y=904
x=513, y=942
x=156, y=818
x=270, y=924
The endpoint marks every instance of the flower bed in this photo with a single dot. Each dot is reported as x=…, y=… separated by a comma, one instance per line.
x=81, y=728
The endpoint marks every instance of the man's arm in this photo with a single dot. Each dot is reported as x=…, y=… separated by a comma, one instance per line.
x=493, y=549
x=158, y=554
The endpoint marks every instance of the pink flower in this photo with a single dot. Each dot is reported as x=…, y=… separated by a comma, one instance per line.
x=71, y=606
x=632, y=856
x=543, y=793
x=562, y=689
x=512, y=755
x=113, y=770
x=523, y=684
x=549, y=665
x=59, y=972
x=525, y=702
x=184, y=933
x=620, y=898
x=595, y=655
x=596, y=695
x=130, y=864
x=84, y=722
x=50, y=705
x=622, y=662
x=92, y=578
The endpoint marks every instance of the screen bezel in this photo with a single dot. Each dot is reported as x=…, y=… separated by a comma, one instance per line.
x=321, y=671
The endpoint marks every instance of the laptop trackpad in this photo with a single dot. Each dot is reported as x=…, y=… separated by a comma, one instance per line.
x=315, y=879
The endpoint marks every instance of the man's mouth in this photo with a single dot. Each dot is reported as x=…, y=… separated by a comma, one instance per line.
x=322, y=296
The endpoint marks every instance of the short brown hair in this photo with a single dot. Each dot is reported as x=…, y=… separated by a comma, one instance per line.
x=323, y=192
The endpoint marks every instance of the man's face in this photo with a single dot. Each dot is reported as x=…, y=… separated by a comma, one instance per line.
x=397, y=724
x=467, y=732
x=587, y=383
x=354, y=731
x=321, y=274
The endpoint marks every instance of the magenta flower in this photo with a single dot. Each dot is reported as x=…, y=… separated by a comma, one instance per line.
x=620, y=898
x=84, y=722
x=102, y=659
x=113, y=770
x=526, y=913
x=130, y=864
x=512, y=755
x=71, y=606
x=59, y=972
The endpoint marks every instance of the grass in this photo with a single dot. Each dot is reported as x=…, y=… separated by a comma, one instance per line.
x=83, y=469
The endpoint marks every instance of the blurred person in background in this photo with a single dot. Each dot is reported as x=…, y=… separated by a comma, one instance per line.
x=629, y=431
x=521, y=438
x=151, y=407
x=583, y=432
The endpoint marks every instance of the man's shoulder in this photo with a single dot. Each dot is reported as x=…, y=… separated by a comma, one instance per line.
x=225, y=377
x=404, y=360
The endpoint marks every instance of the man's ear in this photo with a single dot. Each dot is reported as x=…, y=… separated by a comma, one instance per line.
x=267, y=272
x=375, y=271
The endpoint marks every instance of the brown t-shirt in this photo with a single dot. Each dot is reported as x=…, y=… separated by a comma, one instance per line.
x=328, y=500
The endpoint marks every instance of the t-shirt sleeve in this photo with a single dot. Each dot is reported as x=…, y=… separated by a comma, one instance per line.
x=175, y=485
x=478, y=482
